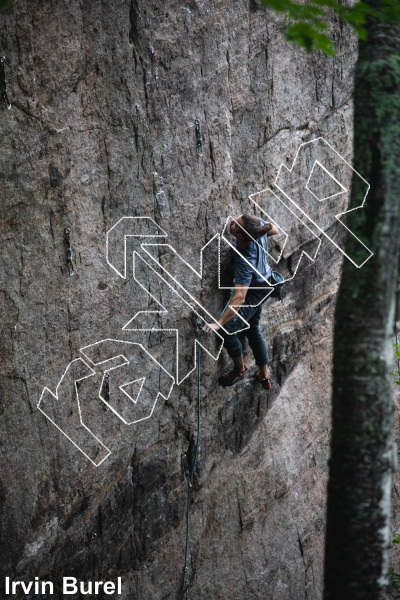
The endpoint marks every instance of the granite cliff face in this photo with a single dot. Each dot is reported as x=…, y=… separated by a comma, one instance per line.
x=102, y=126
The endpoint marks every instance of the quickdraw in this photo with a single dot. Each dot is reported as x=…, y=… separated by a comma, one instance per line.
x=106, y=390
x=3, y=83
x=68, y=251
x=186, y=469
x=199, y=139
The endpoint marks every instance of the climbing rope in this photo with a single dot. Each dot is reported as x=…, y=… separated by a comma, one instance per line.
x=3, y=83
x=68, y=250
x=398, y=360
x=189, y=464
x=199, y=139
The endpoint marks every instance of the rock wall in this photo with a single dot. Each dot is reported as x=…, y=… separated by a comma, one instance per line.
x=104, y=99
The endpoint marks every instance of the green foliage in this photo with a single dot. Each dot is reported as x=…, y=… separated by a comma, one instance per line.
x=394, y=577
x=397, y=353
x=313, y=18
x=309, y=38
x=5, y=4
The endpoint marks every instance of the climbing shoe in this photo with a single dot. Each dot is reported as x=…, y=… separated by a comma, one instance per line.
x=232, y=377
x=266, y=383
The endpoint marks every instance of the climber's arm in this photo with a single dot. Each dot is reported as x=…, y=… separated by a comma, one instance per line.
x=230, y=312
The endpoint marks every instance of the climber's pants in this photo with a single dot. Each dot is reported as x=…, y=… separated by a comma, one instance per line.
x=252, y=316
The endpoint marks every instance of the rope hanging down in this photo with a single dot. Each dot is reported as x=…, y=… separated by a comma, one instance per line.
x=68, y=251
x=189, y=464
x=3, y=83
x=189, y=461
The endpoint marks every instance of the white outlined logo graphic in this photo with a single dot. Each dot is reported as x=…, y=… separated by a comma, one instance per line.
x=326, y=192
x=64, y=408
x=304, y=202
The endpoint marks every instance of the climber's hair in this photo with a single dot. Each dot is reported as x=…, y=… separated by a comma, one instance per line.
x=252, y=228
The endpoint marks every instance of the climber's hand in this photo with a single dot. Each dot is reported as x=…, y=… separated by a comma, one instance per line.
x=210, y=327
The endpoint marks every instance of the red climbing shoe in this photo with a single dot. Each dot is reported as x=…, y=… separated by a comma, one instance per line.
x=232, y=377
x=266, y=383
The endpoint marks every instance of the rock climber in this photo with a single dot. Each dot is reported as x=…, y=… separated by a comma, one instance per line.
x=246, y=228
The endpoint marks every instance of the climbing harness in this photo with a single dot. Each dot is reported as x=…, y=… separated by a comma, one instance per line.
x=106, y=390
x=68, y=251
x=189, y=461
x=199, y=139
x=3, y=83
